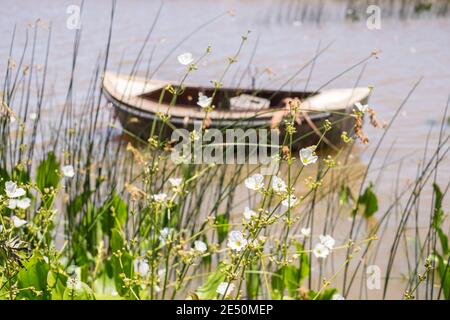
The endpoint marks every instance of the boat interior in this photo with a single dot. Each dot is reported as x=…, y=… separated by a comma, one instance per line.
x=229, y=99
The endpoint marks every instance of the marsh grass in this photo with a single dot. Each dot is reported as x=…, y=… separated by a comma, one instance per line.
x=120, y=228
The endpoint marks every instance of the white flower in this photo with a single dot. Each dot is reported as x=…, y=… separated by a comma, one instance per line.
x=321, y=251
x=203, y=101
x=12, y=204
x=185, y=58
x=18, y=222
x=194, y=135
x=12, y=191
x=236, y=241
x=327, y=241
x=12, y=119
x=141, y=267
x=68, y=171
x=361, y=107
x=159, y=197
x=225, y=288
x=200, y=246
x=278, y=184
x=73, y=283
x=308, y=156
x=249, y=213
x=290, y=201
x=33, y=116
x=165, y=234
x=306, y=232
x=255, y=182
x=175, y=182
x=337, y=296
x=19, y=203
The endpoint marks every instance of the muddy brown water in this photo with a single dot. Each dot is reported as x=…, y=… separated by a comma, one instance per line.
x=410, y=49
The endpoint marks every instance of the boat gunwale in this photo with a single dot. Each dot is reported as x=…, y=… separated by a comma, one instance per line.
x=250, y=121
x=143, y=106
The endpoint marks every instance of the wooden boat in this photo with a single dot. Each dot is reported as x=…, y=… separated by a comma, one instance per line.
x=136, y=102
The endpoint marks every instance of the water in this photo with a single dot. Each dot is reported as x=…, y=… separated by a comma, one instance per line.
x=410, y=49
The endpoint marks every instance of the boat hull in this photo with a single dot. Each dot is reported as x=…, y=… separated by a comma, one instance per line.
x=139, y=102
x=143, y=125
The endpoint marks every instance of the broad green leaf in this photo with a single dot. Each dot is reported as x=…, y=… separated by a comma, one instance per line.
x=33, y=274
x=253, y=281
x=369, y=200
x=444, y=275
x=303, y=263
x=443, y=238
x=77, y=203
x=56, y=282
x=207, y=291
x=82, y=255
x=278, y=285
x=47, y=174
x=438, y=218
x=116, y=242
x=84, y=293
x=104, y=285
x=291, y=279
x=114, y=214
x=438, y=212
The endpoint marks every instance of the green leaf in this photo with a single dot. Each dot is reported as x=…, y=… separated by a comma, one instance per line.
x=114, y=214
x=253, y=281
x=303, y=263
x=56, y=282
x=222, y=226
x=33, y=274
x=207, y=291
x=369, y=200
x=21, y=175
x=77, y=203
x=278, y=285
x=345, y=195
x=47, y=174
x=438, y=212
x=444, y=274
x=444, y=241
x=326, y=294
x=438, y=218
x=291, y=279
x=84, y=293
x=122, y=264
x=116, y=242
